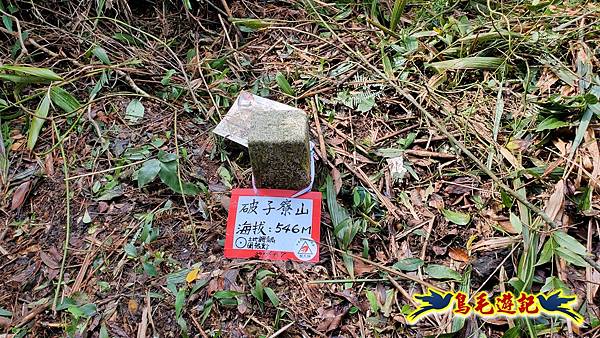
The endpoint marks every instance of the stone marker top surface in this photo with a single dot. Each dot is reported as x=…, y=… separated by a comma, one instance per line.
x=279, y=126
x=236, y=124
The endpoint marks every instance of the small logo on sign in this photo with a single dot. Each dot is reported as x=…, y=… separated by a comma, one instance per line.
x=240, y=242
x=306, y=249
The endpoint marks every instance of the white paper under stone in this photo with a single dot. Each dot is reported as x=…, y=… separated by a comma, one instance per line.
x=235, y=125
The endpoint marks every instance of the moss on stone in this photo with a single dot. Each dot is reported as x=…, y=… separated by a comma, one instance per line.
x=279, y=149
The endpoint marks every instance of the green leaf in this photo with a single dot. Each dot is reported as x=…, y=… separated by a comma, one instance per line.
x=250, y=25
x=148, y=172
x=258, y=291
x=224, y=294
x=5, y=313
x=570, y=256
x=163, y=156
x=179, y=302
x=408, y=264
x=366, y=104
x=272, y=296
x=21, y=79
x=66, y=303
x=397, y=11
x=552, y=284
x=75, y=311
x=99, y=84
x=456, y=217
x=167, y=78
x=264, y=273
x=387, y=65
x=86, y=217
x=566, y=241
x=103, y=331
x=513, y=332
x=150, y=269
x=40, y=73
x=183, y=325
x=476, y=62
x=547, y=252
x=135, y=111
x=585, y=122
x=437, y=271
x=7, y=23
x=372, y=301
x=284, y=84
x=88, y=310
x=130, y=250
x=64, y=100
x=515, y=221
x=551, y=123
x=168, y=175
x=348, y=264
x=38, y=121
x=112, y=193
x=100, y=53
x=343, y=226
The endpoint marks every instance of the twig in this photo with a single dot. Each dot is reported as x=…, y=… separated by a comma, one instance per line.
x=67, y=221
x=402, y=291
x=365, y=179
x=322, y=148
x=104, y=170
x=282, y=330
x=19, y=34
x=32, y=314
x=386, y=269
x=427, y=153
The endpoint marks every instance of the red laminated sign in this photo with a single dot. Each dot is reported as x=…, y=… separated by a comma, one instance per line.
x=270, y=224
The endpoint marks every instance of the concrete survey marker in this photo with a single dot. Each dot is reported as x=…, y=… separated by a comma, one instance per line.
x=277, y=138
x=279, y=149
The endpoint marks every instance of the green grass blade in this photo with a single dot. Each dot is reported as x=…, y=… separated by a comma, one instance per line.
x=585, y=122
x=38, y=121
x=283, y=83
x=397, y=12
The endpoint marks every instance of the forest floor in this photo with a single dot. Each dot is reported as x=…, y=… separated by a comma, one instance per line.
x=458, y=136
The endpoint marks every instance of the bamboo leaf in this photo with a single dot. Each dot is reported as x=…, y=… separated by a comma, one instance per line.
x=437, y=271
x=283, y=83
x=38, y=121
x=397, y=12
x=64, y=100
x=585, y=122
x=41, y=73
x=570, y=257
x=456, y=217
x=551, y=123
x=565, y=240
x=100, y=53
x=475, y=62
x=272, y=296
x=179, y=302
